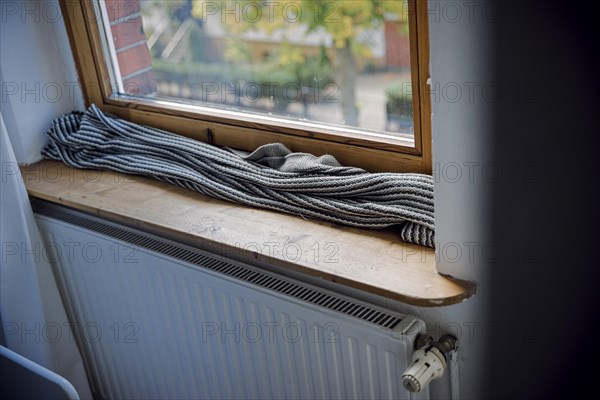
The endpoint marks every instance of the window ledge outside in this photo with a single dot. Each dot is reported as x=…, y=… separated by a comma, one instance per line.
x=376, y=262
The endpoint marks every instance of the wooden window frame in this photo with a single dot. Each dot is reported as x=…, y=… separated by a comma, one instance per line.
x=211, y=126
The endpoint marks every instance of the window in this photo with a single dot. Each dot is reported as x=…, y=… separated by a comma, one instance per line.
x=347, y=78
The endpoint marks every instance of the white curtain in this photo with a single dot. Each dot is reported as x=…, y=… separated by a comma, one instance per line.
x=34, y=321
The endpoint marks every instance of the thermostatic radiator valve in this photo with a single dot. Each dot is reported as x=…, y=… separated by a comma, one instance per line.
x=429, y=361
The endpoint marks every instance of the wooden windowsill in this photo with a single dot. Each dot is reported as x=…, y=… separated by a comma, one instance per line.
x=373, y=261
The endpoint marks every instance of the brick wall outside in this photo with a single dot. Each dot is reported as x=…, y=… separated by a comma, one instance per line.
x=397, y=45
x=130, y=44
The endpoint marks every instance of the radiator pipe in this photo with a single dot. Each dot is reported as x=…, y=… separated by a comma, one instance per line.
x=429, y=361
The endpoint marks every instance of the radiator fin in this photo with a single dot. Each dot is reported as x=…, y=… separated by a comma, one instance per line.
x=171, y=330
x=192, y=256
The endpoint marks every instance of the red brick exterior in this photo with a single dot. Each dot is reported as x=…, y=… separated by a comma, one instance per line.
x=130, y=44
x=118, y=9
x=128, y=33
x=397, y=45
x=133, y=59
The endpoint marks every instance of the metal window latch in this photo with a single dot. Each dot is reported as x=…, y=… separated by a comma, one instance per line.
x=428, y=362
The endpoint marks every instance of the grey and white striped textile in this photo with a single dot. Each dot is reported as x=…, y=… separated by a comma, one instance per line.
x=271, y=177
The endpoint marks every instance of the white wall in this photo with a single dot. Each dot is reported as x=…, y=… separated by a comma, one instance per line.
x=36, y=57
x=38, y=77
x=461, y=85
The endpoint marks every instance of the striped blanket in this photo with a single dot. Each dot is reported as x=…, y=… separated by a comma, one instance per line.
x=271, y=177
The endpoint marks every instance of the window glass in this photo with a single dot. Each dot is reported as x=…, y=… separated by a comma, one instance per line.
x=335, y=63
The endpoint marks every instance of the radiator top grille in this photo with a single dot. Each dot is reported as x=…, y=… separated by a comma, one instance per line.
x=300, y=291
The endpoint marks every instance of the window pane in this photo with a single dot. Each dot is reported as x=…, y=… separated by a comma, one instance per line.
x=342, y=63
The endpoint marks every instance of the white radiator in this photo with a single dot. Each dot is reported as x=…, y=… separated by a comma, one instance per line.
x=157, y=319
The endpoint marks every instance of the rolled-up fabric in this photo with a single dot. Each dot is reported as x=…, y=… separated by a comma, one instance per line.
x=271, y=177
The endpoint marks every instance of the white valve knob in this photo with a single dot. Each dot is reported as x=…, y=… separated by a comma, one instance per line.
x=428, y=364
